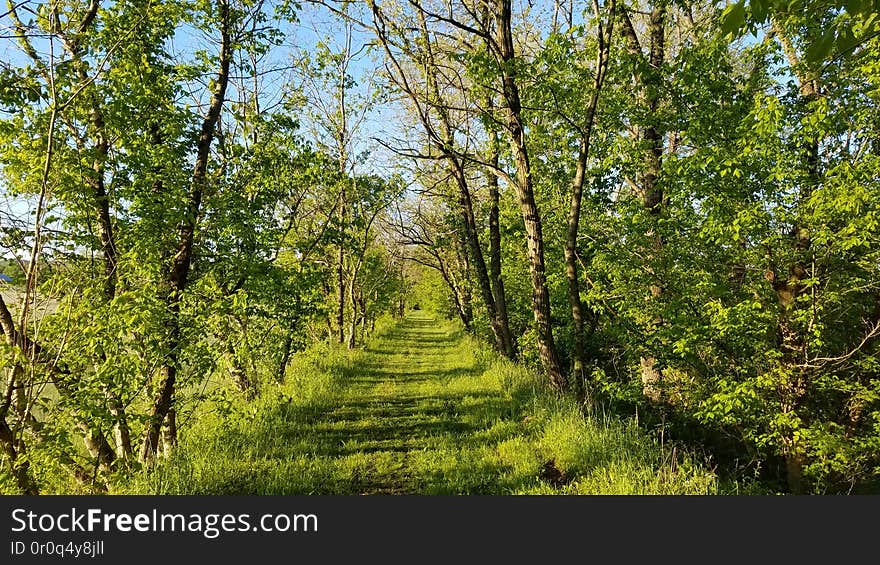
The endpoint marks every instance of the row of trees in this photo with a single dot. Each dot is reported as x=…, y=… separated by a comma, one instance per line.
x=177, y=233
x=673, y=204
x=690, y=190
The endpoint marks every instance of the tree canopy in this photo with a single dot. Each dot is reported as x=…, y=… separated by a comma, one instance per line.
x=669, y=208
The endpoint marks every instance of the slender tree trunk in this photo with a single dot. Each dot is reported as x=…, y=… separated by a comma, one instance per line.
x=121, y=429
x=651, y=139
x=571, y=269
x=463, y=283
x=525, y=192
x=285, y=359
x=495, y=251
x=98, y=446
x=238, y=373
x=181, y=263
x=352, y=325
x=354, y=290
x=575, y=200
x=466, y=208
x=652, y=375
x=340, y=269
x=790, y=285
x=457, y=296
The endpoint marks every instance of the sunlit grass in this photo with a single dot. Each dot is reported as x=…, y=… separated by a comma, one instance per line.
x=424, y=409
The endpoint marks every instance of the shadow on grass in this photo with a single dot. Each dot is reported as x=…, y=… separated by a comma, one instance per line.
x=413, y=417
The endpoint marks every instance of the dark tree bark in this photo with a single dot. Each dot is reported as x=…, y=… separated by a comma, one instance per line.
x=525, y=193
x=651, y=141
x=466, y=209
x=495, y=250
x=575, y=199
x=182, y=260
x=340, y=266
x=286, y=351
x=461, y=285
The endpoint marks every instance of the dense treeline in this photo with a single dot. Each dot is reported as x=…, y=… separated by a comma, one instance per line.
x=182, y=232
x=686, y=210
x=666, y=206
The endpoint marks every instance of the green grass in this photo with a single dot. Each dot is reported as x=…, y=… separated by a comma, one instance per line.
x=423, y=409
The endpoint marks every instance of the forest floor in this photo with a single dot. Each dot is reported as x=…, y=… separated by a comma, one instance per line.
x=423, y=409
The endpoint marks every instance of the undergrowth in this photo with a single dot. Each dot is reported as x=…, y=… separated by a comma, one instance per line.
x=423, y=409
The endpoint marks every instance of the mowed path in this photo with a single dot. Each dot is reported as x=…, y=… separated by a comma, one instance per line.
x=420, y=410
x=416, y=415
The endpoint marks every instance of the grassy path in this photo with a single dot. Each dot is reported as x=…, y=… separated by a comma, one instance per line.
x=416, y=403
x=421, y=410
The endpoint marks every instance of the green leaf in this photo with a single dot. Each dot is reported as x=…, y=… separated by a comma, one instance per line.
x=819, y=49
x=759, y=10
x=733, y=19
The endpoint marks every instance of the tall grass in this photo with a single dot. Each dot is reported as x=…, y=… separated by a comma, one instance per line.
x=410, y=416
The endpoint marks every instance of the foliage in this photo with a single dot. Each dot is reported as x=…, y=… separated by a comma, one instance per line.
x=162, y=229
x=481, y=425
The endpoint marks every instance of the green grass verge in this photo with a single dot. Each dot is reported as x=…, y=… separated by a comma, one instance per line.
x=424, y=409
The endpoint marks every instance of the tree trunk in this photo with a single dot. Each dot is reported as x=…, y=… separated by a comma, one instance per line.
x=99, y=448
x=651, y=139
x=285, y=359
x=790, y=285
x=340, y=271
x=121, y=430
x=528, y=207
x=794, y=468
x=460, y=297
x=352, y=325
x=462, y=287
x=14, y=450
x=495, y=253
x=181, y=263
x=239, y=374
x=652, y=375
x=571, y=269
x=575, y=200
x=466, y=209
